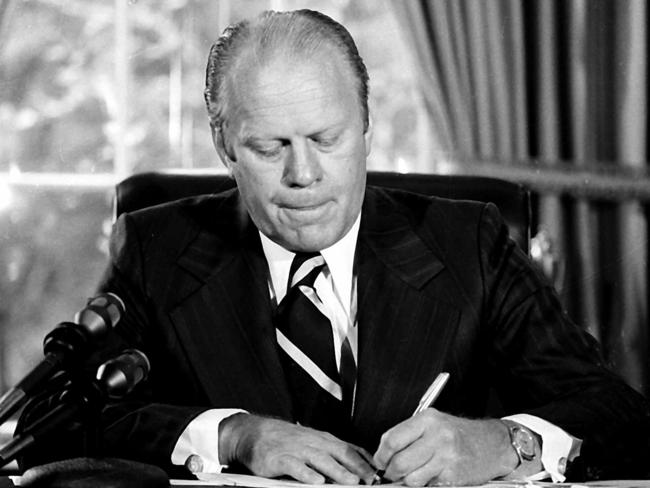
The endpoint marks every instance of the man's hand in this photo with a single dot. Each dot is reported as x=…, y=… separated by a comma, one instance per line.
x=433, y=447
x=271, y=448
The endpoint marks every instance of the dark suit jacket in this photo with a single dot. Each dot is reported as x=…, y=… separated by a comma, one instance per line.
x=440, y=287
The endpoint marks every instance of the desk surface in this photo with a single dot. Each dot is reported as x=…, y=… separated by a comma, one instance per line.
x=8, y=482
x=493, y=484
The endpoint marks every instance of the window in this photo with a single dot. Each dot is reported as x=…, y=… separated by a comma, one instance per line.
x=93, y=91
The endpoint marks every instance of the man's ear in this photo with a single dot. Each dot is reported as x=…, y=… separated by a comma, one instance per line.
x=367, y=136
x=220, y=146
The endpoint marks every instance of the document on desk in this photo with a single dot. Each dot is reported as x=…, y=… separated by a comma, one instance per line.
x=228, y=479
x=249, y=481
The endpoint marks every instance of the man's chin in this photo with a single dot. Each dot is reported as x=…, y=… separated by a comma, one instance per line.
x=311, y=239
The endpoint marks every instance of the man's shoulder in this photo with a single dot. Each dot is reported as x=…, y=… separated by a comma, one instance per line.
x=189, y=211
x=420, y=208
x=448, y=227
x=173, y=224
x=186, y=207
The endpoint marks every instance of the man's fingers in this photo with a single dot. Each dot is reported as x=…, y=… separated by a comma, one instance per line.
x=367, y=457
x=297, y=469
x=329, y=467
x=396, y=439
x=410, y=459
x=430, y=472
x=357, y=461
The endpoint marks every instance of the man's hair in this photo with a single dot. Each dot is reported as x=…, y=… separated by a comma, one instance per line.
x=299, y=32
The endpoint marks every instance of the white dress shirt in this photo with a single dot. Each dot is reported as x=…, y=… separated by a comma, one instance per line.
x=337, y=289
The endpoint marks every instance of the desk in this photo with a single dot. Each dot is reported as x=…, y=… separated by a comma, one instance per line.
x=596, y=484
x=6, y=482
x=591, y=484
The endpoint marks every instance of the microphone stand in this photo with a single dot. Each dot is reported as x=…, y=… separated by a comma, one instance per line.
x=78, y=399
x=83, y=397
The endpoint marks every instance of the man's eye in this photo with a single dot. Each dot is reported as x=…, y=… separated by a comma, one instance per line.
x=268, y=151
x=325, y=141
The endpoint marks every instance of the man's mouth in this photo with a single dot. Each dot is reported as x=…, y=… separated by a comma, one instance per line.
x=307, y=210
x=304, y=207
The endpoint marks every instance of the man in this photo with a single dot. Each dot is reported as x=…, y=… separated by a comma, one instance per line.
x=410, y=286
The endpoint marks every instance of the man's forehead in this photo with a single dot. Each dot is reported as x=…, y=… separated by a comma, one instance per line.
x=308, y=89
x=285, y=70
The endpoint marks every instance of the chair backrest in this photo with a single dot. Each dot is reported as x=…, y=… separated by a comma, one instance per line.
x=513, y=200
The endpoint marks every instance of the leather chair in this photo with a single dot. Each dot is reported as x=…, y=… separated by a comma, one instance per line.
x=513, y=199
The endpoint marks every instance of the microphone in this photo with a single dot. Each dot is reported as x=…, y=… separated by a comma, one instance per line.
x=118, y=376
x=66, y=344
x=101, y=313
x=114, y=379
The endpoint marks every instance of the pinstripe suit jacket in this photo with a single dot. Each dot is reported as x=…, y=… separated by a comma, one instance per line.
x=440, y=287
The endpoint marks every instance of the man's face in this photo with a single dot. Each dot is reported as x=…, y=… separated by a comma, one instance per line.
x=298, y=147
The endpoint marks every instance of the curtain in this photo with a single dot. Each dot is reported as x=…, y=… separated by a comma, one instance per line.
x=554, y=84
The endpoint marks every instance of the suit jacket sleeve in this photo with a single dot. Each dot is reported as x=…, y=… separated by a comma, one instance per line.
x=549, y=367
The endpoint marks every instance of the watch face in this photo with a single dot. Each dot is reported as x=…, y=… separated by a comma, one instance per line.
x=525, y=441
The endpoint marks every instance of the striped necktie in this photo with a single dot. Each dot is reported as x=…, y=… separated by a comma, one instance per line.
x=305, y=336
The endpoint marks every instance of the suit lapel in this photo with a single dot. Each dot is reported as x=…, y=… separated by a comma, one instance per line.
x=404, y=328
x=224, y=318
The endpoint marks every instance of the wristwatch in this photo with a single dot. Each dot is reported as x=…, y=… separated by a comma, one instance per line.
x=522, y=440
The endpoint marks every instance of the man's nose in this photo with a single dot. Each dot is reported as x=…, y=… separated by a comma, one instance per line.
x=302, y=166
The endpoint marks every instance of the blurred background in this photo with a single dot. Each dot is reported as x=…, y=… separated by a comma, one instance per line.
x=550, y=93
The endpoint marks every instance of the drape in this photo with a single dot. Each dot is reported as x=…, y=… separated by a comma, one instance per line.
x=555, y=83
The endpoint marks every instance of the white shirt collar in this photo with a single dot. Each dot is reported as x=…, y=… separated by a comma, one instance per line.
x=339, y=258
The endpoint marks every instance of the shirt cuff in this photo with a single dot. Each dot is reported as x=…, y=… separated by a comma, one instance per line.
x=198, y=445
x=558, y=447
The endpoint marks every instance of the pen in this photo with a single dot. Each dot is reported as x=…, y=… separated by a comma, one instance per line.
x=425, y=402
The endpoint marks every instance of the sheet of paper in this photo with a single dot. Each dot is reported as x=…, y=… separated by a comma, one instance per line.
x=229, y=479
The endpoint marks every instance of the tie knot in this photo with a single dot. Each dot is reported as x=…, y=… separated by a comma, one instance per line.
x=305, y=265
